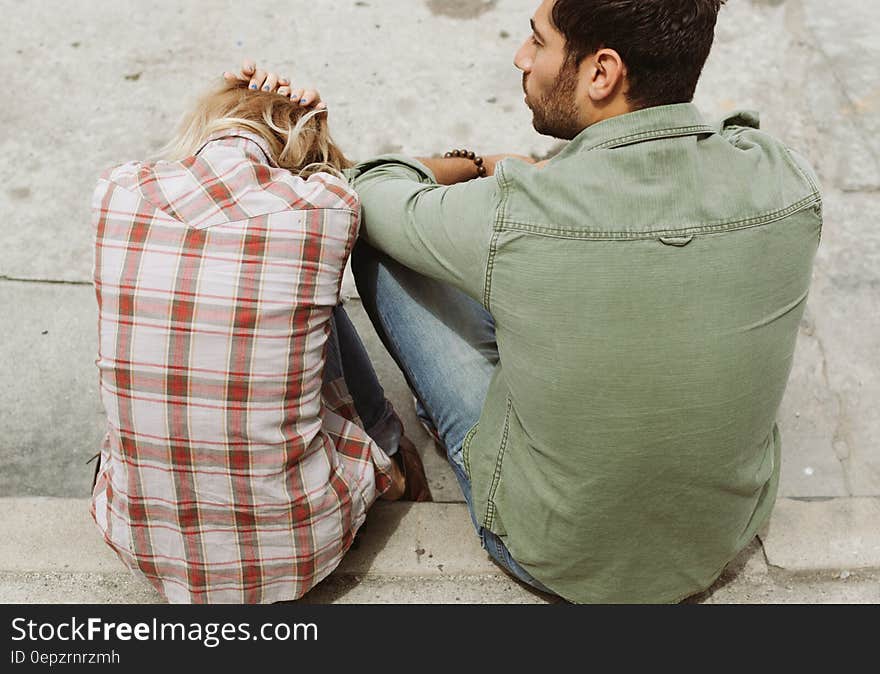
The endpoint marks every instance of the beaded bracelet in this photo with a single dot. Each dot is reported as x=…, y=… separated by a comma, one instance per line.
x=467, y=154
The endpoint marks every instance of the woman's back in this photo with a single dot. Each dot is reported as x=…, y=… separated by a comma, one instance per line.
x=228, y=475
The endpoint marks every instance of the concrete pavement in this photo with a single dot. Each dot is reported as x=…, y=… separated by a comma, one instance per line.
x=97, y=83
x=52, y=553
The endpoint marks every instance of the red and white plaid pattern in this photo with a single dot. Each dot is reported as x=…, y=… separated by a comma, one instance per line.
x=229, y=474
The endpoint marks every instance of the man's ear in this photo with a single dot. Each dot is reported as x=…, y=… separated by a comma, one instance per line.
x=607, y=74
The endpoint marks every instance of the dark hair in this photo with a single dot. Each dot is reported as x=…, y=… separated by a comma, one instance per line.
x=663, y=43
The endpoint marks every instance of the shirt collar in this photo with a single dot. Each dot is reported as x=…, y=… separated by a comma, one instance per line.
x=246, y=140
x=663, y=121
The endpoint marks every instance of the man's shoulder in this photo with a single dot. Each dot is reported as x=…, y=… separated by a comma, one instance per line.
x=742, y=130
x=665, y=183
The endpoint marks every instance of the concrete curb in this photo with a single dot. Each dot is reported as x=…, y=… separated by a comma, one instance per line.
x=57, y=535
x=53, y=552
x=428, y=552
x=824, y=534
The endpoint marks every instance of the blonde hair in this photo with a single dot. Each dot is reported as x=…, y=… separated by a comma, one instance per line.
x=298, y=139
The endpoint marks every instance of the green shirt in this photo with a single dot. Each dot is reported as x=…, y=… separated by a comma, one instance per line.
x=647, y=287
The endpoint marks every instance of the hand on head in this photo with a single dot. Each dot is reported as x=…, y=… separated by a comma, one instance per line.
x=263, y=80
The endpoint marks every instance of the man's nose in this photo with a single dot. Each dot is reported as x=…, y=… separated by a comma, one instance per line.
x=523, y=58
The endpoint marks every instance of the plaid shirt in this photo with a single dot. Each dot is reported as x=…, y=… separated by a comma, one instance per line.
x=228, y=473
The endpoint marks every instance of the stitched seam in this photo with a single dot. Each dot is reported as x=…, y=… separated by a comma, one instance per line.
x=496, y=475
x=812, y=184
x=733, y=225
x=490, y=516
x=466, y=448
x=493, y=242
x=796, y=167
x=653, y=134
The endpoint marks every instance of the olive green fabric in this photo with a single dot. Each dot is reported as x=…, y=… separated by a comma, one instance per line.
x=647, y=287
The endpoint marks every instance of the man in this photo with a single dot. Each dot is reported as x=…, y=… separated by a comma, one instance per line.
x=602, y=344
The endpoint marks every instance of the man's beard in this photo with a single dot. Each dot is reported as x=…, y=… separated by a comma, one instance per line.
x=556, y=113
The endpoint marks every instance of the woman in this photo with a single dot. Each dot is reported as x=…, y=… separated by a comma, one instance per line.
x=236, y=467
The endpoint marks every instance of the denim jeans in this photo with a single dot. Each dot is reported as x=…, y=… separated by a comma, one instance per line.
x=346, y=357
x=444, y=343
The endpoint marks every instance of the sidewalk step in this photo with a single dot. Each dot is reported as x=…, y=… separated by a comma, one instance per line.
x=43, y=534
x=428, y=553
x=122, y=587
x=53, y=552
x=824, y=534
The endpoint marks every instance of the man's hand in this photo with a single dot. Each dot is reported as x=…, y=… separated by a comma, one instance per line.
x=259, y=79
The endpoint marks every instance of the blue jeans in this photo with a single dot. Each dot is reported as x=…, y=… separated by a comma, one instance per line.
x=346, y=357
x=444, y=343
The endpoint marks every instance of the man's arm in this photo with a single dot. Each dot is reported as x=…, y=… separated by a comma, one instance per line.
x=452, y=170
x=440, y=231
